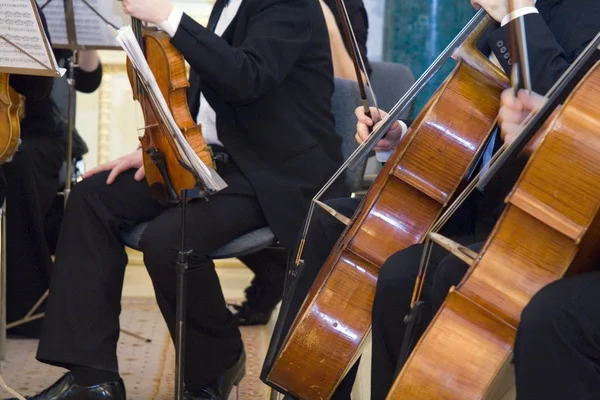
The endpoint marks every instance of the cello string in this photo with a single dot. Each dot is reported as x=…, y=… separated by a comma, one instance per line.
x=398, y=108
x=526, y=129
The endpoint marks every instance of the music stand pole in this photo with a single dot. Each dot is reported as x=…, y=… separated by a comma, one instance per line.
x=182, y=269
x=70, y=124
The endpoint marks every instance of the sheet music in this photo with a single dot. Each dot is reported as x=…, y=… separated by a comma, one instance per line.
x=91, y=31
x=19, y=24
x=128, y=41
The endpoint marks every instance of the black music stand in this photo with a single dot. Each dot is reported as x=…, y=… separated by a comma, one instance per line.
x=180, y=307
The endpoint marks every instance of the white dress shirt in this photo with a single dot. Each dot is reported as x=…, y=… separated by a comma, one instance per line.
x=206, y=118
x=382, y=156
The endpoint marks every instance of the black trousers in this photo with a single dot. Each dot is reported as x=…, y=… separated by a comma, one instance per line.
x=557, y=349
x=81, y=326
x=31, y=187
x=392, y=303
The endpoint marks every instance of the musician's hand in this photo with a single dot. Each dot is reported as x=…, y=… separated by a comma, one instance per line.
x=392, y=137
x=121, y=164
x=498, y=9
x=514, y=110
x=154, y=11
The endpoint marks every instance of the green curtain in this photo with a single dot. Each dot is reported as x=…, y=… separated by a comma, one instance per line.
x=417, y=31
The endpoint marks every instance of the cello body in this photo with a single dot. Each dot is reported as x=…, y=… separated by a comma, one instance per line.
x=10, y=119
x=549, y=228
x=165, y=173
x=408, y=195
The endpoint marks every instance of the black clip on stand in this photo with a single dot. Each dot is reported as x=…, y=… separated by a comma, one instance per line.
x=182, y=267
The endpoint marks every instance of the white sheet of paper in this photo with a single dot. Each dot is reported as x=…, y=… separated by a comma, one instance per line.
x=18, y=24
x=90, y=29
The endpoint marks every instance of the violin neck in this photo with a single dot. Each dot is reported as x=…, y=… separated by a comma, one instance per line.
x=136, y=26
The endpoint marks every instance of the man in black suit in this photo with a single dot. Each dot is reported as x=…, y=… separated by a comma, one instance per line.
x=557, y=31
x=269, y=264
x=261, y=87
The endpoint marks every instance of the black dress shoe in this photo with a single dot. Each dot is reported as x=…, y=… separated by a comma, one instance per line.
x=263, y=294
x=66, y=389
x=221, y=386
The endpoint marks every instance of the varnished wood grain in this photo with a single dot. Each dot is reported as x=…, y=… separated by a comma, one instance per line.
x=406, y=198
x=168, y=66
x=550, y=227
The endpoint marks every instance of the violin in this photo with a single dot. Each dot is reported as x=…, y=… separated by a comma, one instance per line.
x=410, y=192
x=11, y=112
x=166, y=174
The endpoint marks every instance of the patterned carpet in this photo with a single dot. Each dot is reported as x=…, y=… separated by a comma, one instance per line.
x=147, y=368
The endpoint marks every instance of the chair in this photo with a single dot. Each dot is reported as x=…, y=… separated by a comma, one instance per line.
x=390, y=81
x=345, y=99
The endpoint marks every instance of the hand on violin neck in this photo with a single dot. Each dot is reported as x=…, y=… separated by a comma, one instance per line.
x=498, y=9
x=121, y=164
x=153, y=11
x=514, y=110
x=392, y=137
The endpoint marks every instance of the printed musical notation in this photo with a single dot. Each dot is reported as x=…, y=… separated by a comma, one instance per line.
x=90, y=29
x=19, y=26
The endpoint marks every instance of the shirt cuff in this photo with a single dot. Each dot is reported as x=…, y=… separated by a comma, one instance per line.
x=383, y=156
x=519, y=12
x=172, y=23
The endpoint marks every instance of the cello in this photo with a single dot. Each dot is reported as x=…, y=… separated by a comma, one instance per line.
x=11, y=108
x=410, y=192
x=166, y=173
x=549, y=228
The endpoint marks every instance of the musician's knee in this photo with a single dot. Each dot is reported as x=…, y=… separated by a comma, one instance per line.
x=548, y=310
x=159, y=243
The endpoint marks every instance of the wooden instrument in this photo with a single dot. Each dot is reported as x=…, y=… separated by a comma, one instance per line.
x=165, y=172
x=11, y=107
x=550, y=227
x=411, y=190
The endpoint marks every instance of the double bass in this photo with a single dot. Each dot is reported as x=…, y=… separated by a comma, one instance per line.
x=166, y=174
x=11, y=106
x=413, y=188
x=549, y=228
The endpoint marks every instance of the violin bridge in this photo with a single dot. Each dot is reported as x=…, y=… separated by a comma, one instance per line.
x=342, y=218
x=458, y=250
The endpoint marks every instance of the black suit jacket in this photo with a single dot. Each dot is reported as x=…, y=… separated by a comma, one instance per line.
x=555, y=37
x=269, y=79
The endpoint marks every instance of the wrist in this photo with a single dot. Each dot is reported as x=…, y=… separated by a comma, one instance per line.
x=163, y=13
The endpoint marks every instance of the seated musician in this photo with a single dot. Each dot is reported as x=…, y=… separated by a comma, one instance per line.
x=556, y=32
x=32, y=183
x=261, y=87
x=556, y=352
x=269, y=264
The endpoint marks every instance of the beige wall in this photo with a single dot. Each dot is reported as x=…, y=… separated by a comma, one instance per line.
x=109, y=119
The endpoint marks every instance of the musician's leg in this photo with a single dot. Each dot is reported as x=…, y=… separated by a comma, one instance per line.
x=557, y=349
x=449, y=272
x=266, y=289
x=393, y=296
x=213, y=341
x=32, y=178
x=81, y=326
